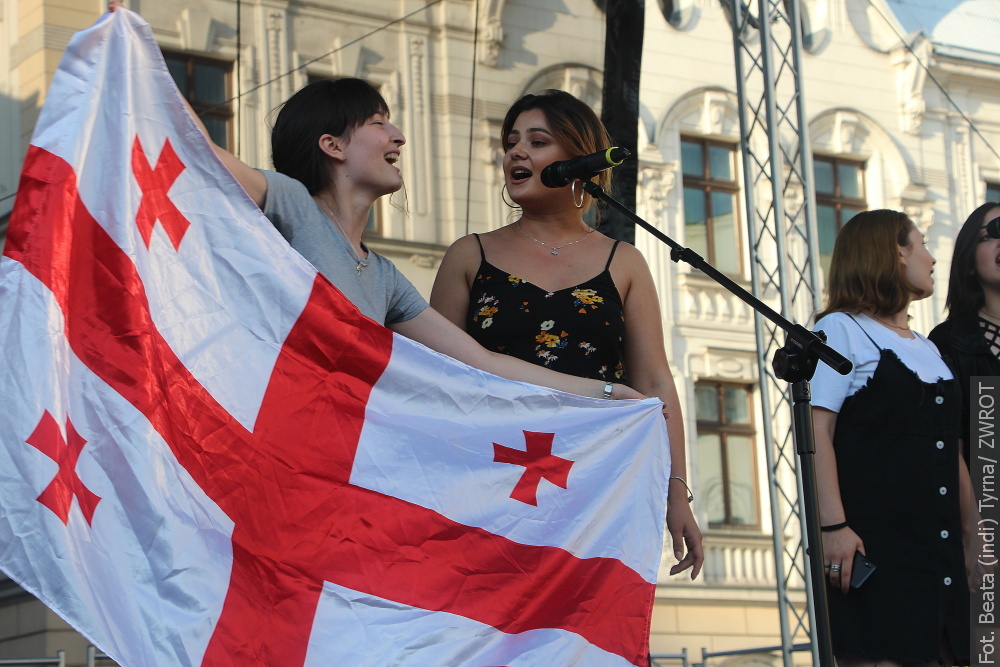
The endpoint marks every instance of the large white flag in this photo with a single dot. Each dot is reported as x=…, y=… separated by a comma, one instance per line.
x=209, y=457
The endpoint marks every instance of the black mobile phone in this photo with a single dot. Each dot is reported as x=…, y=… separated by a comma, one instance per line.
x=861, y=569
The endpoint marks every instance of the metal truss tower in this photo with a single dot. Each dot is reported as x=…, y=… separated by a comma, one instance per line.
x=781, y=217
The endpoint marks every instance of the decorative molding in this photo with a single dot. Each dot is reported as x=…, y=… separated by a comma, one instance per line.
x=274, y=23
x=490, y=24
x=724, y=364
x=197, y=30
x=911, y=78
x=418, y=57
x=961, y=167
x=43, y=37
x=739, y=560
x=841, y=132
x=707, y=112
x=870, y=25
x=424, y=261
x=584, y=82
x=706, y=302
x=491, y=148
x=654, y=186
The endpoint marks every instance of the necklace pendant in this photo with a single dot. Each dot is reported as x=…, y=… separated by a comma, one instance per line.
x=555, y=252
x=360, y=267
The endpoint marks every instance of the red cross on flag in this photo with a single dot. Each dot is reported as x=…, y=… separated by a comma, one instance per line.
x=209, y=457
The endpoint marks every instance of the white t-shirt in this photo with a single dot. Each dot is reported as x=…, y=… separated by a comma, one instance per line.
x=830, y=389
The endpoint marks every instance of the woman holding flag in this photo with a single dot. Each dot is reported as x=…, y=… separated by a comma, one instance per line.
x=568, y=297
x=335, y=153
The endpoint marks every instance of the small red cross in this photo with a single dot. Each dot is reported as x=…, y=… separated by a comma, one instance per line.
x=538, y=462
x=298, y=521
x=58, y=495
x=155, y=183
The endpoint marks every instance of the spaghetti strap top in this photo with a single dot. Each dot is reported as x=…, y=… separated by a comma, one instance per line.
x=578, y=330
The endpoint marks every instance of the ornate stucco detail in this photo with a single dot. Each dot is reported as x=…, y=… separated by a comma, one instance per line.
x=709, y=303
x=655, y=184
x=424, y=261
x=490, y=23
x=910, y=80
x=418, y=47
x=711, y=362
x=707, y=112
x=276, y=52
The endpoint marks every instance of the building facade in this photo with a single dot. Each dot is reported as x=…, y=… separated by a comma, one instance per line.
x=902, y=100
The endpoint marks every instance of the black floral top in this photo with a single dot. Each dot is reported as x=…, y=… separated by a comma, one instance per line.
x=577, y=330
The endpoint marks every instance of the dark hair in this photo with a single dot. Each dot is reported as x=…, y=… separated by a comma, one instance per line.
x=965, y=292
x=866, y=274
x=328, y=106
x=572, y=122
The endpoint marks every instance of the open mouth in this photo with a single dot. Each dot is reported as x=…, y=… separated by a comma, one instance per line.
x=392, y=158
x=519, y=174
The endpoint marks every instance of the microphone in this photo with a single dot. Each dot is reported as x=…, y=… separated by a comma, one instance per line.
x=563, y=172
x=992, y=227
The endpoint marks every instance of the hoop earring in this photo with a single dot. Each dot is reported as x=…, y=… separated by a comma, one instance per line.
x=503, y=197
x=578, y=204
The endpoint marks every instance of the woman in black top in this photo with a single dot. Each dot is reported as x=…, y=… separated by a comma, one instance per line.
x=550, y=289
x=890, y=480
x=970, y=337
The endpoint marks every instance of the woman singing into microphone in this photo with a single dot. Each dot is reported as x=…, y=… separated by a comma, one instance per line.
x=551, y=290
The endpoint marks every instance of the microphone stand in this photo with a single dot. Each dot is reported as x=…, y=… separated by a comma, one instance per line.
x=794, y=363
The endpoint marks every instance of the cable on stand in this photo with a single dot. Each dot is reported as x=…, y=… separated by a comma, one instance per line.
x=794, y=363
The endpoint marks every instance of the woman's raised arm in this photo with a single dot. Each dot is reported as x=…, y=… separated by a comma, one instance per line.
x=252, y=180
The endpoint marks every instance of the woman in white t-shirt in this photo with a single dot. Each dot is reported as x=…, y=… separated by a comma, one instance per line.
x=888, y=457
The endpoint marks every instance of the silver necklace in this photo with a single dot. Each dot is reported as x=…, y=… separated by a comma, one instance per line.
x=554, y=249
x=362, y=263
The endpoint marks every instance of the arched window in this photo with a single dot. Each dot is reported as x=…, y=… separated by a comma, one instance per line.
x=583, y=82
x=856, y=166
x=700, y=135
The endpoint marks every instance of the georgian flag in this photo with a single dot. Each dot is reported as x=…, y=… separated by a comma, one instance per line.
x=208, y=456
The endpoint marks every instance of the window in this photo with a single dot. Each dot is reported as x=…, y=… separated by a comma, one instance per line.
x=726, y=461
x=710, y=210
x=205, y=83
x=992, y=191
x=840, y=194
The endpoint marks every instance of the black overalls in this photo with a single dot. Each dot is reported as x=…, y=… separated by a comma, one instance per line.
x=896, y=443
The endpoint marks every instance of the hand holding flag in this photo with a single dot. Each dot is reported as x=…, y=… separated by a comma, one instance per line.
x=211, y=457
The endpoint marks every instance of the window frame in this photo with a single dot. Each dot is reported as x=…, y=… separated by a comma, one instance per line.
x=707, y=184
x=212, y=110
x=723, y=429
x=836, y=200
x=992, y=191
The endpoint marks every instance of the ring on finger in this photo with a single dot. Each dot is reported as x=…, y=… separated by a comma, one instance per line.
x=835, y=568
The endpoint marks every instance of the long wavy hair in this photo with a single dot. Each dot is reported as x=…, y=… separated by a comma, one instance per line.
x=573, y=124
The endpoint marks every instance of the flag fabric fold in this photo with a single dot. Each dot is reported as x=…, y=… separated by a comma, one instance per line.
x=210, y=457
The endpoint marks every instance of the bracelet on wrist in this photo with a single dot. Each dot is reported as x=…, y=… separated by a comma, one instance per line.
x=607, y=390
x=681, y=480
x=833, y=526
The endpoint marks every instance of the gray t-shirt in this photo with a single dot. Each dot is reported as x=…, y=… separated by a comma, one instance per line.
x=380, y=291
